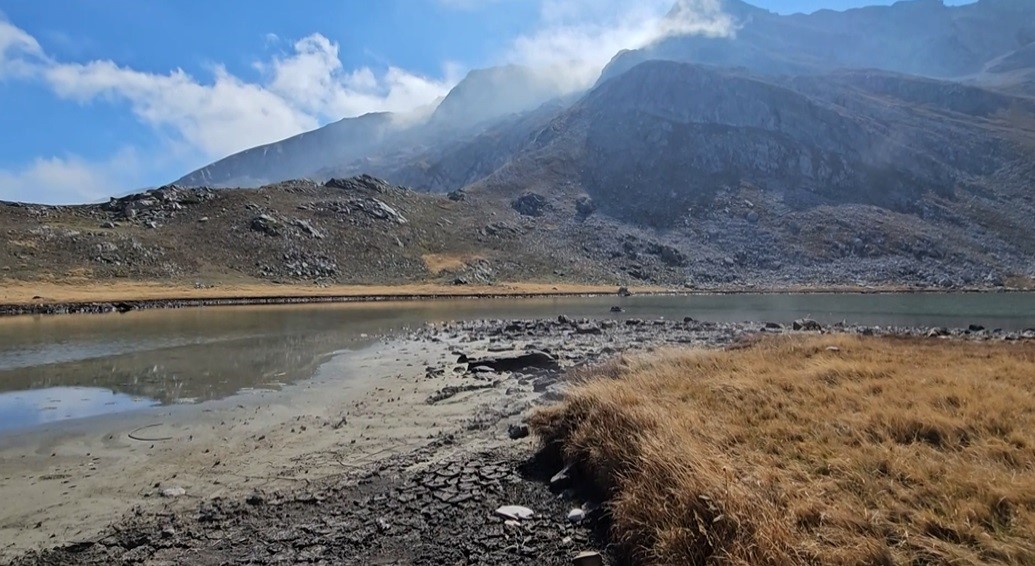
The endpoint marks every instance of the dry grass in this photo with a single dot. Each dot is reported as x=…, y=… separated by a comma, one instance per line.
x=830, y=450
x=439, y=263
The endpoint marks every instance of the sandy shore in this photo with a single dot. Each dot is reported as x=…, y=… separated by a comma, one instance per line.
x=69, y=483
x=31, y=292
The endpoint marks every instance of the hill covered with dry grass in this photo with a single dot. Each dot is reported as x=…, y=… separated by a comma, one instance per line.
x=832, y=450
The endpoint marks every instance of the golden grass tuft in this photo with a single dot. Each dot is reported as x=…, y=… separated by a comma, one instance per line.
x=831, y=450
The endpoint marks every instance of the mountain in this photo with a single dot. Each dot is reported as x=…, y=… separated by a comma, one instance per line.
x=297, y=156
x=482, y=97
x=919, y=37
x=872, y=146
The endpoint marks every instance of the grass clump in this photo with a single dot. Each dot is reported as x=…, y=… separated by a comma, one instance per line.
x=831, y=450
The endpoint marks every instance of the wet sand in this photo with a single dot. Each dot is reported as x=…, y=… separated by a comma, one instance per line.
x=68, y=483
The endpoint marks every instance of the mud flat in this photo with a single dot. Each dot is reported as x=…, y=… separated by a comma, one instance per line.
x=399, y=453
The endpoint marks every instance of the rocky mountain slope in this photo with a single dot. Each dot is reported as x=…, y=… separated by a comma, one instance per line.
x=762, y=167
x=919, y=37
x=484, y=98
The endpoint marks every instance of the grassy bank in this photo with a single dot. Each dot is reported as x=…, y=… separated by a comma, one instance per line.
x=832, y=449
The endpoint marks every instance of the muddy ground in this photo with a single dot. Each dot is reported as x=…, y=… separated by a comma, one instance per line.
x=408, y=465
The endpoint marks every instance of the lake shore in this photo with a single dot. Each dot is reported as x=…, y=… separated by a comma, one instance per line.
x=408, y=440
x=90, y=297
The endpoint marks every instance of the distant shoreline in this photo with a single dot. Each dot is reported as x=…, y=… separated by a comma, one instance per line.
x=25, y=298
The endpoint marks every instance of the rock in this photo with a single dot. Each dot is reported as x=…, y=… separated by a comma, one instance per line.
x=576, y=515
x=752, y=217
x=457, y=196
x=266, y=224
x=173, y=492
x=773, y=326
x=624, y=292
x=530, y=204
x=564, y=319
x=588, y=558
x=588, y=329
x=585, y=206
x=361, y=183
x=975, y=328
x=515, y=512
x=540, y=360
x=561, y=479
x=255, y=499
x=517, y=432
x=390, y=212
x=938, y=332
x=617, y=308
x=807, y=325
x=308, y=228
x=108, y=225
x=461, y=281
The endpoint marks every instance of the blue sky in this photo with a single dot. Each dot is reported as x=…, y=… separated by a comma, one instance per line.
x=100, y=98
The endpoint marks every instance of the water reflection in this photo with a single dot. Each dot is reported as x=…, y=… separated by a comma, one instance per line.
x=22, y=409
x=201, y=354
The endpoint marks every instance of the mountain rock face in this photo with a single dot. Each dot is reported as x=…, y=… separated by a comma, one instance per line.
x=920, y=37
x=877, y=145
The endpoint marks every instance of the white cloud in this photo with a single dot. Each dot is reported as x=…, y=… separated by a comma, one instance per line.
x=19, y=51
x=578, y=37
x=65, y=180
x=213, y=118
x=210, y=117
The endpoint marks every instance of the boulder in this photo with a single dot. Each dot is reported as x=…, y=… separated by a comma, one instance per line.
x=807, y=325
x=537, y=360
x=266, y=224
x=585, y=206
x=530, y=204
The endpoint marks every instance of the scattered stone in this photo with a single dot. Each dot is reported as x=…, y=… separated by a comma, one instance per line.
x=515, y=512
x=517, y=431
x=938, y=332
x=530, y=204
x=540, y=360
x=585, y=206
x=266, y=224
x=807, y=325
x=588, y=559
x=576, y=515
x=173, y=492
x=561, y=479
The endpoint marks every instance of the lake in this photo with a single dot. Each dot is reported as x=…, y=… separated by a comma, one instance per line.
x=68, y=367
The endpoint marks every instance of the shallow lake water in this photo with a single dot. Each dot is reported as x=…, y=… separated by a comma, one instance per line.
x=67, y=367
